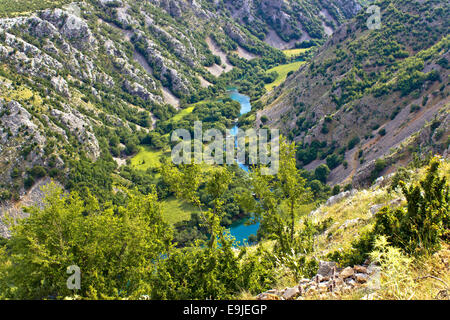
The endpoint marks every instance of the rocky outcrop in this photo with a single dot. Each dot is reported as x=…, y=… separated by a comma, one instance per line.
x=79, y=126
x=21, y=140
x=71, y=27
x=60, y=85
x=335, y=199
x=330, y=282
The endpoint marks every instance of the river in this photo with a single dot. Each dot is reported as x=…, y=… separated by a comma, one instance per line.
x=239, y=230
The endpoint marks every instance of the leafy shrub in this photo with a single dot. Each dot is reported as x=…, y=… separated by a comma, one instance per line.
x=353, y=142
x=418, y=228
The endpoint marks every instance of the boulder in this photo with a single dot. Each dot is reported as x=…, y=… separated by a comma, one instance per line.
x=346, y=273
x=360, y=269
x=361, y=277
x=326, y=268
x=268, y=296
x=291, y=293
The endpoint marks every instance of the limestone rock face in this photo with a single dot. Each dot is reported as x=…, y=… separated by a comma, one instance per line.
x=22, y=141
x=72, y=27
x=79, y=126
x=60, y=85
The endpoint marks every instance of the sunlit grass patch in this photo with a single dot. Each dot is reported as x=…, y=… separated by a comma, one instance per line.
x=294, y=52
x=147, y=158
x=175, y=210
x=180, y=115
x=282, y=71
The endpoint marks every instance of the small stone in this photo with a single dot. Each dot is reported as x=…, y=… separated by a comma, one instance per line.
x=326, y=268
x=338, y=282
x=370, y=296
x=320, y=278
x=361, y=277
x=291, y=293
x=268, y=296
x=360, y=269
x=304, y=281
x=350, y=282
x=323, y=288
x=346, y=273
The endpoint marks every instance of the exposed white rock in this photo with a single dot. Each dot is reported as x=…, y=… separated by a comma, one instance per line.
x=61, y=86
x=79, y=126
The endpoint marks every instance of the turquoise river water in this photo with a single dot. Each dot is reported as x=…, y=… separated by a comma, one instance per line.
x=239, y=230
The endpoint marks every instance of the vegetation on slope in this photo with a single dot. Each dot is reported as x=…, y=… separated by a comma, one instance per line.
x=139, y=259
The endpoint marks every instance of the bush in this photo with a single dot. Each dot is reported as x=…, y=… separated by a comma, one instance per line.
x=402, y=174
x=418, y=228
x=28, y=182
x=336, y=190
x=396, y=281
x=321, y=173
x=38, y=172
x=353, y=142
x=264, y=119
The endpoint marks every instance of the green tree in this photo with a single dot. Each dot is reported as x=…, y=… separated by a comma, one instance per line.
x=116, y=248
x=275, y=201
x=321, y=173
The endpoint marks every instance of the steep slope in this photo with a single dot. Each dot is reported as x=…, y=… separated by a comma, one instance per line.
x=82, y=83
x=371, y=94
x=346, y=217
x=284, y=23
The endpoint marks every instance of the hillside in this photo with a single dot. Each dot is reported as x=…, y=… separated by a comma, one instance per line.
x=349, y=216
x=370, y=94
x=86, y=80
x=92, y=92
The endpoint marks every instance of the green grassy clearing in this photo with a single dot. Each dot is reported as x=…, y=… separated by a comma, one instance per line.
x=182, y=113
x=147, y=158
x=282, y=71
x=175, y=210
x=294, y=52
